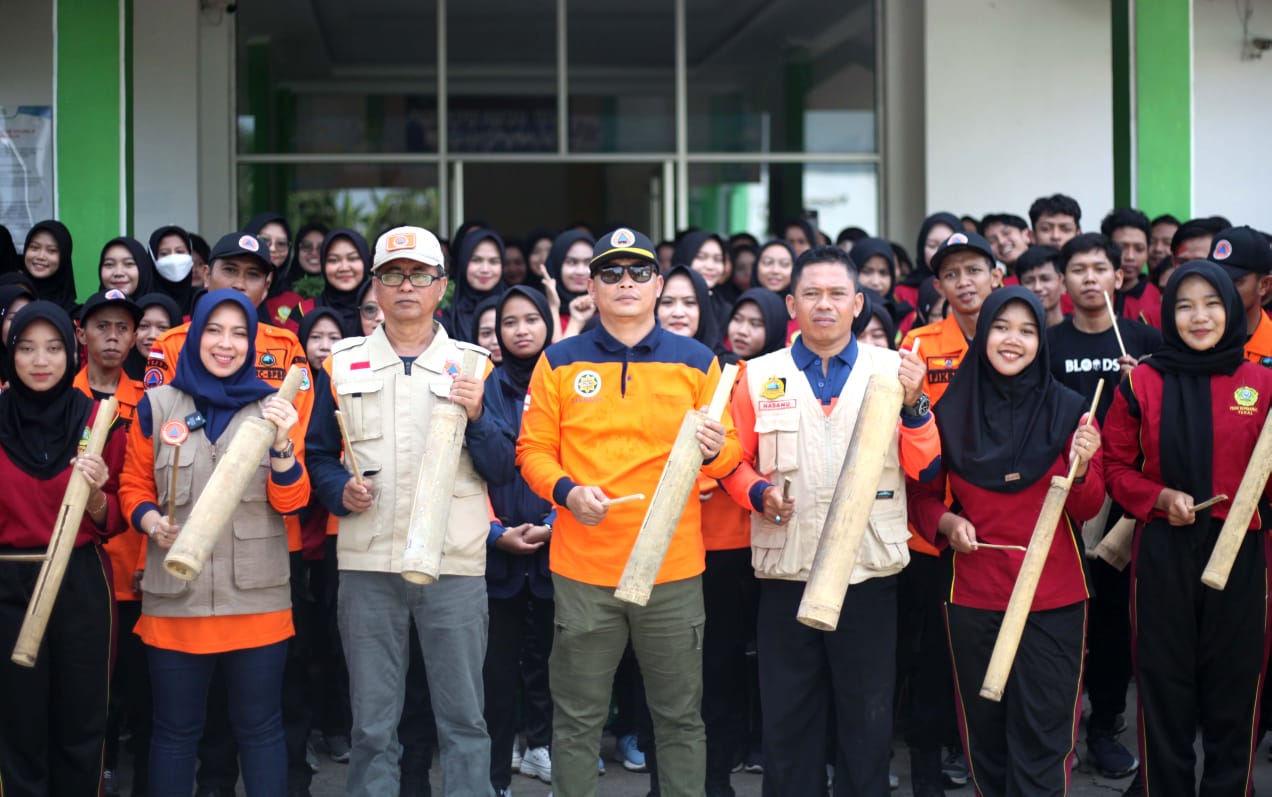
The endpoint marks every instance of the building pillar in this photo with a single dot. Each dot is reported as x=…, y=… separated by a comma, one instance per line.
x=1163, y=73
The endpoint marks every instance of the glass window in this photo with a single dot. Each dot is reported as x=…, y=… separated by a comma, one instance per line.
x=501, y=76
x=327, y=77
x=368, y=197
x=788, y=76
x=622, y=76
x=757, y=198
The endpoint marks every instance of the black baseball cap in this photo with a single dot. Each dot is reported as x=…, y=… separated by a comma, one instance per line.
x=959, y=242
x=623, y=242
x=236, y=244
x=111, y=298
x=1240, y=251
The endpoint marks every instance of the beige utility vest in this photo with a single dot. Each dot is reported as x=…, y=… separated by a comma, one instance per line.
x=797, y=440
x=387, y=413
x=248, y=570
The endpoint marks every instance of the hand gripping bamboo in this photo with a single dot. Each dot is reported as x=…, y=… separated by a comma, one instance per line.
x=430, y=510
x=849, y=512
x=670, y=497
x=212, y=513
x=61, y=543
x=1022, y=594
x=1235, y=524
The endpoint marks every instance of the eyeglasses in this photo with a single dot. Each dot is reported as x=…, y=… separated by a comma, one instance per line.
x=420, y=279
x=369, y=311
x=276, y=243
x=310, y=246
x=639, y=272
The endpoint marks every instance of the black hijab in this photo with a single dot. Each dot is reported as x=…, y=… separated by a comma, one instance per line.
x=41, y=430
x=867, y=248
x=135, y=362
x=556, y=260
x=928, y=297
x=59, y=288
x=755, y=270
x=460, y=317
x=145, y=265
x=283, y=274
x=875, y=306
x=1187, y=434
x=773, y=310
x=489, y=303
x=921, y=269
x=9, y=260
x=993, y=426
x=308, y=227
x=181, y=291
x=313, y=317
x=8, y=294
x=518, y=369
x=722, y=295
x=708, y=333
x=344, y=303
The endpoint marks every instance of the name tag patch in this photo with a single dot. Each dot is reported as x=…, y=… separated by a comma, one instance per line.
x=777, y=404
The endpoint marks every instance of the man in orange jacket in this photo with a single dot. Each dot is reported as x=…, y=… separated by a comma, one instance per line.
x=600, y=423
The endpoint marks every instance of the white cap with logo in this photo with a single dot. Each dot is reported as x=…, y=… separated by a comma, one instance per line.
x=408, y=243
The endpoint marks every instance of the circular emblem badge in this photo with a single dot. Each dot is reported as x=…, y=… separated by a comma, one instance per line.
x=174, y=432
x=114, y=295
x=956, y=238
x=587, y=384
x=1246, y=396
x=267, y=359
x=152, y=378
x=1223, y=249
x=622, y=237
x=250, y=243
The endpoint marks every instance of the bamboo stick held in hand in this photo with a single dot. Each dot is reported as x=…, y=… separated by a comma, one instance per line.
x=854, y=497
x=669, y=499
x=212, y=513
x=1022, y=594
x=430, y=511
x=1237, y=521
x=75, y=500
x=350, y=459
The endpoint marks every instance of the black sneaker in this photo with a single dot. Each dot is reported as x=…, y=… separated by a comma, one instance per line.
x=1110, y=758
x=954, y=771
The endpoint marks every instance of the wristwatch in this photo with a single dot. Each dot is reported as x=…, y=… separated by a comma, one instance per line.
x=285, y=452
x=919, y=408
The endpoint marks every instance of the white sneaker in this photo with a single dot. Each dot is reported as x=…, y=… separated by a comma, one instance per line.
x=516, y=755
x=537, y=763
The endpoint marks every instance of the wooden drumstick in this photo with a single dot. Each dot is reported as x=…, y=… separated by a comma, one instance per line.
x=349, y=456
x=624, y=500
x=1022, y=594
x=1209, y=502
x=1108, y=302
x=172, y=483
x=993, y=547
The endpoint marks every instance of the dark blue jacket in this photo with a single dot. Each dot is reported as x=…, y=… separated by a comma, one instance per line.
x=514, y=503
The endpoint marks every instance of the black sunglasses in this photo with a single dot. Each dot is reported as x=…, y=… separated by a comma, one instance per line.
x=612, y=275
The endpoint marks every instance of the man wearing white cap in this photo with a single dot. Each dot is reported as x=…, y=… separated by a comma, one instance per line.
x=386, y=385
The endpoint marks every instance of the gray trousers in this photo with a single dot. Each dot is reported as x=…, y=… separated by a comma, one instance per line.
x=374, y=614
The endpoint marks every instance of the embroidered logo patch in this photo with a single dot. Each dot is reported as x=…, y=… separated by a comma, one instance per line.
x=588, y=383
x=400, y=241
x=83, y=441
x=622, y=237
x=250, y=243
x=152, y=378
x=1223, y=249
x=114, y=295
x=1246, y=396
x=774, y=388
x=305, y=384
x=771, y=406
x=956, y=238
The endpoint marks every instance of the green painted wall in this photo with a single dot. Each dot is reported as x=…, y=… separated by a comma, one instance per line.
x=87, y=119
x=1120, y=25
x=1163, y=92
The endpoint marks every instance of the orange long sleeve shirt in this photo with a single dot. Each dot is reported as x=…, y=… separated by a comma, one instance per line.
x=605, y=414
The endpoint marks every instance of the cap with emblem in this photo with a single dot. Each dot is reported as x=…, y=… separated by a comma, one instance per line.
x=238, y=244
x=408, y=243
x=623, y=242
x=961, y=242
x=1240, y=251
x=111, y=298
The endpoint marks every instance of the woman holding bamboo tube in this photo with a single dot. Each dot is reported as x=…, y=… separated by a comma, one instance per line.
x=1007, y=427
x=237, y=612
x=52, y=715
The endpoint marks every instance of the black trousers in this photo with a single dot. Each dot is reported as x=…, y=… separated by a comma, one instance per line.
x=329, y=690
x=521, y=629
x=804, y=671
x=1024, y=744
x=923, y=655
x=730, y=595
x=53, y=715
x=130, y=698
x=1108, y=665
x=1199, y=658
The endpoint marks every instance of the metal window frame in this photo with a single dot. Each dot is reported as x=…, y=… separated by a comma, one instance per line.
x=676, y=164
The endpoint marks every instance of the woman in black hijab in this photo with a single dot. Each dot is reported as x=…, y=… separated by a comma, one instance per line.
x=1182, y=428
x=125, y=265
x=280, y=247
x=13, y=297
x=684, y=307
x=343, y=278
x=874, y=326
x=934, y=230
x=485, y=332
x=568, y=269
x=474, y=282
x=9, y=260
x=46, y=259
x=170, y=247
x=55, y=712
x=1007, y=427
x=705, y=253
x=757, y=325
x=877, y=270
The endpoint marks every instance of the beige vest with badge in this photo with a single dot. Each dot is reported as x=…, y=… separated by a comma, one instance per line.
x=797, y=440
x=248, y=570
x=387, y=413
